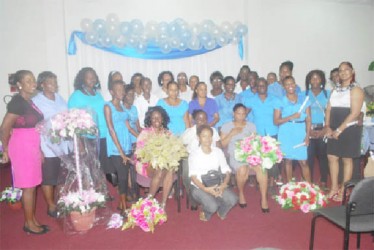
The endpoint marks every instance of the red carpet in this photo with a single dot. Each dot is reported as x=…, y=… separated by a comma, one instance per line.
x=243, y=229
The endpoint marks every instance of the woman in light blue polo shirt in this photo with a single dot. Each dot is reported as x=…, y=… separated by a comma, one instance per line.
x=226, y=101
x=87, y=96
x=315, y=88
x=293, y=117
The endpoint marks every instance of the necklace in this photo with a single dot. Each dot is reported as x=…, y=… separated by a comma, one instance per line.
x=88, y=92
x=339, y=87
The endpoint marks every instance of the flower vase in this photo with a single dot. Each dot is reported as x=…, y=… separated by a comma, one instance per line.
x=15, y=205
x=83, y=222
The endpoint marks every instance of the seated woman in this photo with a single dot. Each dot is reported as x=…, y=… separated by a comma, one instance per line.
x=218, y=198
x=191, y=140
x=232, y=132
x=156, y=121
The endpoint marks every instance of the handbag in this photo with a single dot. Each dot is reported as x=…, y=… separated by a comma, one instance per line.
x=212, y=178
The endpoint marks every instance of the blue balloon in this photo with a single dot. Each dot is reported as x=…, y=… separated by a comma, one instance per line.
x=207, y=25
x=141, y=47
x=91, y=37
x=210, y=44
x=104, y=41
x=182, y=46
x=165, y=47
x=242, y=30
x=222, y=40
x=137, y=26
x=125, y=28
x=174, y=42
x=163, y=28
x=186, y=35
x=133, y=41
x=204, y=36
x=99, y=26
x=194, y=43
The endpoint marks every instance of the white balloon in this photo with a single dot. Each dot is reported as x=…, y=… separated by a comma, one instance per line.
x=112, y=18
x=119, y=41
x=112, y=29
x=86, y=25
x=99, y=26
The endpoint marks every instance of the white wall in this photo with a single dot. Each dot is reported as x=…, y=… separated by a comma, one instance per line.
x=311, y=33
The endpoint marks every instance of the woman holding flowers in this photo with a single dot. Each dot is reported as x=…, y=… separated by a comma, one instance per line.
x=118, y=138
x=231, y=133
x=50, y=103
x=87, y=96
x=176, y=108
x=218, y=198
x=17, y=134
x=156, y=122
x=292, y=114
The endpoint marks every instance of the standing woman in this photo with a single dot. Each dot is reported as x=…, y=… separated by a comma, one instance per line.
x=176, y=108
x=87, y=96
x=135, y=81
x=201, y=101
x=17, y=134
x=226, y=101
x=344, y=141
x=145, y=100
x=315, y=88
x=243, y=78
x=50, y=103
x=118, y=138
x=114, y=76
x=294, y=128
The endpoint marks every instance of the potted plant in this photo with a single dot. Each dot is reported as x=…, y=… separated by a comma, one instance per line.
x=81, y=207
x=13, y=197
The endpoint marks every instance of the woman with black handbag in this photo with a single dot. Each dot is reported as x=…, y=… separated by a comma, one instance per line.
x=214, y=196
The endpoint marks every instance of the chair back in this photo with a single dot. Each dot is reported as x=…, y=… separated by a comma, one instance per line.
x=362, y=197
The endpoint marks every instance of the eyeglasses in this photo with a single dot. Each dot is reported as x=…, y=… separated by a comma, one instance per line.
x=217, y=80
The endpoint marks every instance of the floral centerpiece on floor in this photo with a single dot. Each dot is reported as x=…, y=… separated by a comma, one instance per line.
x=75, y=121
x=301, y=196
x=145, y=213
x=258, y=150
x=11, y=195
x=82, y=202
x=159, y=150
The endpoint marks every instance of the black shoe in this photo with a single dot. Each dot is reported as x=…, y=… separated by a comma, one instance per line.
x=53, y=214
x=29, y=231
x=193, y=208
x=244, y=205
x=45, y=227
x=265, y=210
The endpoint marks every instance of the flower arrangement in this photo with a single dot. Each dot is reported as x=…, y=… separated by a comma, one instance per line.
x=160, y=150
x=76, y=121
x=370, y=109
x=82, y=202
x=145, y=213
x=116, y=221
x=11, y=195
x=301, y=195
x=258, y=150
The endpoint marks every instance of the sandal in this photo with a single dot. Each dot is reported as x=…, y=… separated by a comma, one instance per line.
x=338, y=197
x=202, y=216
x=332, y=194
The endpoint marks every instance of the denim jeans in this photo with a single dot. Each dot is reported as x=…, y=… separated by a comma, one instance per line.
x=211, y=204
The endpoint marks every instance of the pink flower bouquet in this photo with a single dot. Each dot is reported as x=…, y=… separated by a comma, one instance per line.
x=145, y=213
x=301, y=196
x=258, y=150
x=76, y=121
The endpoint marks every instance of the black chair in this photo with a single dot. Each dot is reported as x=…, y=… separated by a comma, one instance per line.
x=357, y=216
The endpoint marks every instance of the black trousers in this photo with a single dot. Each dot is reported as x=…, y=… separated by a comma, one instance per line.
x=317, y=149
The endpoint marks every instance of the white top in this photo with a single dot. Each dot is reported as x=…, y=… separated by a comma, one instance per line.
x=200, y=163
x=186, y=95
x=142, y=106
x=190, y=138
x=341, y=99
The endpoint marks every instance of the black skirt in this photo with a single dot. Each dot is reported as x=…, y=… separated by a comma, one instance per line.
x=348, y=145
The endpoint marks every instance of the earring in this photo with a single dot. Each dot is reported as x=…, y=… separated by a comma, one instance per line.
x=321, y=86
x=19, y=87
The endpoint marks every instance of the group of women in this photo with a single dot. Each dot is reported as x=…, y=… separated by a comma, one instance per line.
x=301, y=121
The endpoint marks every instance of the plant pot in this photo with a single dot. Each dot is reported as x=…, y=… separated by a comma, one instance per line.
x=83, y=222
x=15, y=206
